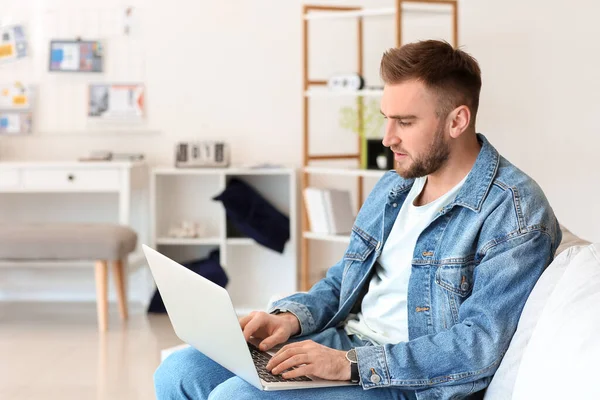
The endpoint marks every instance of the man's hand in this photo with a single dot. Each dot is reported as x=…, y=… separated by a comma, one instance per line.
x=310, y=358
x=272, y=329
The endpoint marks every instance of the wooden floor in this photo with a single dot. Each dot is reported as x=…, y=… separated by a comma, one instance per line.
x=54, y=351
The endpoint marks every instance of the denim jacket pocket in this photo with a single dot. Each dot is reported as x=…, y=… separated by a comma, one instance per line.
x=456, y=282
x=456, y=278
x=360, y=248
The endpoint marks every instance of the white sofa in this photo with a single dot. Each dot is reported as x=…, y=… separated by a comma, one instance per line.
x=554, y=351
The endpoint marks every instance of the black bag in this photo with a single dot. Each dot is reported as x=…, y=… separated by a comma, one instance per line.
x=210, y=268
x=254, y=216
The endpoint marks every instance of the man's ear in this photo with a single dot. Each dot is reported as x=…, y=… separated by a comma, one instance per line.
x=459, y=120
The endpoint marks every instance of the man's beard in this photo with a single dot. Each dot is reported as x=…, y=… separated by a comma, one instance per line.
x=434, y=158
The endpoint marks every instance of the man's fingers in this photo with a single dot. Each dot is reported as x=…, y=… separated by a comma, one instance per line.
x=281, y=356
x=252, y=326
x=297, y=372
x=276, y=338
x=293, y=345
x=244, y=320
x=293, y=361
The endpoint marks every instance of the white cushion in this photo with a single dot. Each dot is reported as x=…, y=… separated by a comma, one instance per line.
x=502, y=385
x=561, y=359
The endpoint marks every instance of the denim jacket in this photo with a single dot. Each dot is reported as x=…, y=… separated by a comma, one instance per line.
x=474, y=266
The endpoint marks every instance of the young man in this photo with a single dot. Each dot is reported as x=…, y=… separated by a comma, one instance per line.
x=441, y=260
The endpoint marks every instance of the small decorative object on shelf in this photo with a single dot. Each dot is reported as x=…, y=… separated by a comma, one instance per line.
x=379, y=156
x=201, y=154
x=346, y=82
x=186, y=229
x=104, y=155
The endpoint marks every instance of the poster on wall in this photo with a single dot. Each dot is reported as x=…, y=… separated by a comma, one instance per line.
x=16, y=103
x=15, y=96
x=13, y=43
x=75, y=56
x=116, y=102
x=15, y=123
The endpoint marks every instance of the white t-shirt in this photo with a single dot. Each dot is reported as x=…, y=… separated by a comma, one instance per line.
x=384, y=316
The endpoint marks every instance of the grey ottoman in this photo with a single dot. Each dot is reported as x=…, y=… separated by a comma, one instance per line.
x=102, y=243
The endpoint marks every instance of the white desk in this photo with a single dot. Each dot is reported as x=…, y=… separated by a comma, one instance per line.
x=28, y=193
x=76, y=177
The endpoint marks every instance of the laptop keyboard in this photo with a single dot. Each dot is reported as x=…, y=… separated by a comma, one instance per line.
x=261, y=359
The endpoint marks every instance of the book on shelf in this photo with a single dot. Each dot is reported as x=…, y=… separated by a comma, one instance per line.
x=315, y=208
x=329, y=210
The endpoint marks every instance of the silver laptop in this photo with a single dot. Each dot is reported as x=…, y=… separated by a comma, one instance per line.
x=203, y=316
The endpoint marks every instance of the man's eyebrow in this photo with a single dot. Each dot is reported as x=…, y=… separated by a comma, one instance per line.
x=398, y=116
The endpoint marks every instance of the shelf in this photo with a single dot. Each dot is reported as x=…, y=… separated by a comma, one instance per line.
x=240, y=241
x=188, y=241
x=327, y=237
x=369, y=12
x=367, y=173
x=341, y=93
x=217, y=171
x=203, y=241
x=378, y=12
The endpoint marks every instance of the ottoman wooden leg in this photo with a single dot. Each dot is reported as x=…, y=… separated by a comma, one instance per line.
x=101, y=294
x=119, y=274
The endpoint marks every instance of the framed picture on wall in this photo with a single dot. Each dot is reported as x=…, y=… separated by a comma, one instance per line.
x=13, y=44
x=75, y=56
x=16, y=105
x=15, y=123
x=116, y=101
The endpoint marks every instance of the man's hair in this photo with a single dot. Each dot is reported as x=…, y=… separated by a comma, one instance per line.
x=453, y=75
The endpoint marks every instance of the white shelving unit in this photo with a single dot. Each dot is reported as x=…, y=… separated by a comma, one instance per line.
x=188, y=241
x=340, y=93
x=379, y=12
x=255, y=272
x=365, y=173
x=327, y=238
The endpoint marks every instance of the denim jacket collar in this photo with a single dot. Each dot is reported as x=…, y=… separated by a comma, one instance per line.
x=481, y=177
x=477, y=185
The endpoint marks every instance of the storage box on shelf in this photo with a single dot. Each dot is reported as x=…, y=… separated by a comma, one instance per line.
x=255, y=272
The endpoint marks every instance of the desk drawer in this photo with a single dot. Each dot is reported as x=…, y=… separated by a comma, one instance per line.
x=9, y=178
x=61, y=179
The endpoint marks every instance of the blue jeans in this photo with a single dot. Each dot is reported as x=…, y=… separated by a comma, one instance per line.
x=189, y=374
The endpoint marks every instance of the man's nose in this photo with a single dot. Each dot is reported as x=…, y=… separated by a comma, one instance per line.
x=390, y=138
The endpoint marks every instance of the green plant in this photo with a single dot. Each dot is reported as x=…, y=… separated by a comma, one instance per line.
x=372, y=123
x=372, y=119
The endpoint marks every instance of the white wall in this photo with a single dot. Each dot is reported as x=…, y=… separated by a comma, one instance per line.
x=212, y=69
x=540, y=103
x=232, y=70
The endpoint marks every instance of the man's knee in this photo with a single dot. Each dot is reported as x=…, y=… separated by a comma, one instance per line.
x=177, y=376
x=236, y=389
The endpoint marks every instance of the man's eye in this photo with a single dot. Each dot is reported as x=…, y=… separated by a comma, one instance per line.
x=403, y=124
